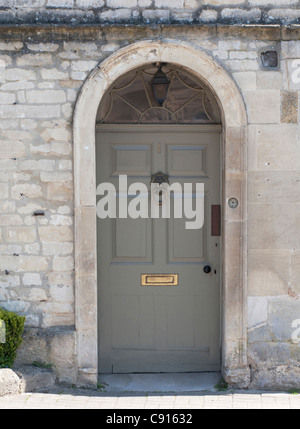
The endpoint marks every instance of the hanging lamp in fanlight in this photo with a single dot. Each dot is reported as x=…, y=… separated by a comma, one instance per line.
x=160, y=85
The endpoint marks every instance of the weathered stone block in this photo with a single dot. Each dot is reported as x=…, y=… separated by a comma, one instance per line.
x=267, y=111
x=55, y=233
x=30, y=279
x=289, y=107
x=42, y=97
x=27, y=190
x=269, y=272
x=283, y=311
x=20, y=234
x=273, y=226
x=257, y=311
x=9, y=382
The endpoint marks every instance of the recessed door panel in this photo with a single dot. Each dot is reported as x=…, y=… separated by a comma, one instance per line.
x=187, y=160
x=131, y=242
x=133, y=160
x=185, y=245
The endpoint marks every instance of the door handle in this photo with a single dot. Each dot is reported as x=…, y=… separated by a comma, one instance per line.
x=207, y=269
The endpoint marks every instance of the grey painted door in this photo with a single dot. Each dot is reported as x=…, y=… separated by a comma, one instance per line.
x=159, y=328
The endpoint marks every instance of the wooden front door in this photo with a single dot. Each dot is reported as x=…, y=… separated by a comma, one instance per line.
x=145, y=325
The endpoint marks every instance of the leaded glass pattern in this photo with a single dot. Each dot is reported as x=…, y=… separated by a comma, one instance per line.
x=130, y=100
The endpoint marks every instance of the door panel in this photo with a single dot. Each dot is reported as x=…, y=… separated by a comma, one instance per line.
x=185, y=245
x=157, y=328
x=130, y=240
x=133, y=160
x=186, y=160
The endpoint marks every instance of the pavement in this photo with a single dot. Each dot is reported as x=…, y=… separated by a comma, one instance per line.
x=151, y=393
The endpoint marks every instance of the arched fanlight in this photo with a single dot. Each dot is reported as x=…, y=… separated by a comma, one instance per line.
x=160, y=85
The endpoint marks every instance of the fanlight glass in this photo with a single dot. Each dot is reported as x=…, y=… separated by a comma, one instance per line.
x=130, y=100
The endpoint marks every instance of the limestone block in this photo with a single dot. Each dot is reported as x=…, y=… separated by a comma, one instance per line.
x=59, y=248
x=59, y=219
x=283, y=311
x=289, y=107
x=170, y=4
x=7, y=220
x=268, y=272
x=60, y=278
x=43, y=47
x=121, y=3
x=7, y=206
x=11, y=46
x=295, y=271
x=3, y=191
x=273, y=226
x=144, y=3
x=34, y=60
x=86, y=4
x=60, y=3
x=36, y=295
x=26, y=111
x=56, y=314
x=62, y=293
x=278, y=147
x=33, y=379
x=30, y=279
x=9, y=382
x=273, y=186
x=83, y=66
x=19, y=74
x=42, y=164
x=237, y=14
x=267, y=111
x=257, y=310
x=220, y=2
x=20, y=234
x=208, y=15
x=7, y=98
x=245, y=80
x=60, y=192
x=55, y=233
x=53, y=74
x=11, y=149
x=269, y=80
x=62, y=354
x=56, y=177
x=33, y=348
x=152, y=15
x=44, y=97
x=55, y=149
x=27, y=190
x=33, y=263
x=63, y=263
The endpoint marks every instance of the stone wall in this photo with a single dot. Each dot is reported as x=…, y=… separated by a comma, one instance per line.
x=74, y=12
x=41, y=74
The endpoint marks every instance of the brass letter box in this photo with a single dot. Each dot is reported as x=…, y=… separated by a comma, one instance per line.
x=159, y=279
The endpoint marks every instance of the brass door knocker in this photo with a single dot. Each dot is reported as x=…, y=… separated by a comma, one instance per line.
x=159, y=185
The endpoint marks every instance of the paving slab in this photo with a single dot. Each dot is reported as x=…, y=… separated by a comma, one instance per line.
x=187, y=382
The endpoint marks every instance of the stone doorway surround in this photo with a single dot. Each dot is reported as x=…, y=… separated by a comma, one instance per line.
x=234, y=270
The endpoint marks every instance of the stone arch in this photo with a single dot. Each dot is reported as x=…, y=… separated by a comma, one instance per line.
x=234, y=121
